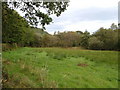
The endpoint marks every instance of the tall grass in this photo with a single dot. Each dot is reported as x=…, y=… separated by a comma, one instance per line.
x=59, y=67
x=108, y=57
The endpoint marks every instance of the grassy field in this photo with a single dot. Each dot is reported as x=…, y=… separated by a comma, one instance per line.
x=60, y=68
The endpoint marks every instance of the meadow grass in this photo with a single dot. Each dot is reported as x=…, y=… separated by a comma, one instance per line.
x=60, y=68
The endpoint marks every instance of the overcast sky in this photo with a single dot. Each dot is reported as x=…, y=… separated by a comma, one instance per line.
x=87, y=15
x=119, y=12
x=84, y=15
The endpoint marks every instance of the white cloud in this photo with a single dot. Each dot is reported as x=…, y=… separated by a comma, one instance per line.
x=93, y=3
x=90, y=26
x=86, y=14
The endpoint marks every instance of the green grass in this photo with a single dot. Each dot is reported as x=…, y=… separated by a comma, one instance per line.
x=58, y=68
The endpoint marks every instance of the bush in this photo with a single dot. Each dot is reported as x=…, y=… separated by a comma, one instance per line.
x=95, y=43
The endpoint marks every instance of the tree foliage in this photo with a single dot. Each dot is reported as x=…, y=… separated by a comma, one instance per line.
x=15, y=28
x=95, y=44
x=109, y=37
x=39, y=12
x=102, y=39
x=13, y=25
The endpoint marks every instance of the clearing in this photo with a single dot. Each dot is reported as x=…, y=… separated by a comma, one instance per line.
x=60, y=68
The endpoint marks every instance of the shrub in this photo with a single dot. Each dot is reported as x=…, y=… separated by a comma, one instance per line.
x=95, y=43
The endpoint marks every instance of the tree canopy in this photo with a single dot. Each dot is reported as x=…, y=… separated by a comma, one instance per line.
x=39, y=12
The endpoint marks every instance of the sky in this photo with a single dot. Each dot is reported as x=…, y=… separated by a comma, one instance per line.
x=119, y=12
x=84, y=15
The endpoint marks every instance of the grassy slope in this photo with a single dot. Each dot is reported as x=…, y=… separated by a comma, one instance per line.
x=57, y=67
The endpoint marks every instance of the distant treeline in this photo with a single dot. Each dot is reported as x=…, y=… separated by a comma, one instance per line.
x=103, y=39
x=16, y=30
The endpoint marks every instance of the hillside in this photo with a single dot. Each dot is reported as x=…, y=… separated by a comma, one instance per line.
x=39, y=31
